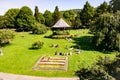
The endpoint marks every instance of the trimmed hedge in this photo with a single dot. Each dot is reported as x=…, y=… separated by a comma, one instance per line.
x=61, y=36
x=58, y=32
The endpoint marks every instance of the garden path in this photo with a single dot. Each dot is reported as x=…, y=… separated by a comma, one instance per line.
x=6, y=76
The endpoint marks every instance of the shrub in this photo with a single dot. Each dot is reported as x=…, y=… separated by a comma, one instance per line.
x=6, y=35
x=39, y=29
x=104, y=69
x=37, y=45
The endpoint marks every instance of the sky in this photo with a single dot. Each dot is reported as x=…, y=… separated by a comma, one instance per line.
x=47, y=4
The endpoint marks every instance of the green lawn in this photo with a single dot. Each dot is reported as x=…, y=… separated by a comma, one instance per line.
x=19, y=59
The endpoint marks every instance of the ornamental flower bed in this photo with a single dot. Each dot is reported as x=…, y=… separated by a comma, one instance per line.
x=52, y=63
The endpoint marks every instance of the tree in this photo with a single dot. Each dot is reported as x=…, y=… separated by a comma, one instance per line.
x=57, y=14
x=106, y=31
x=103, y=8
x=37, y=14
x=70, y=15
x=11, y=16
x=87, y=14
x=48, y=18
x=3, y=22
x=25, y=19
x=66, y=15
x=115, y=5
x=117, y=22
x=41, y=18
x=78, y=23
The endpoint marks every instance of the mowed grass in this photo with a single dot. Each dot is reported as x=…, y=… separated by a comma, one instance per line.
x=19, y=59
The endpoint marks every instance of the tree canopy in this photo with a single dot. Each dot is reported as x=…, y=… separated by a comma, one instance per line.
x=37, y=14
x=87, y=14
x=25, y=19
x=115, y=5
x=48, y=18
x=10, y=17
x=103, y=8
x=106, y=31
x=3, y=22
x=41, y=18
x=70, y=15
x=57, y=14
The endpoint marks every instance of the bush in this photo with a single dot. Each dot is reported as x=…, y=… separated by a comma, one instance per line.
x=37, y=45
x=104, y=69
x=6, y=35
x=39, y=29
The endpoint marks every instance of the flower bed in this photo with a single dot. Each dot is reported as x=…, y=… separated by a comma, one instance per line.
x=52, y=63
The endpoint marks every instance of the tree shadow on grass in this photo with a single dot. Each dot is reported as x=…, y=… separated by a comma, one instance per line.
x=48, y=36
x=33, y=48
x=85, y=43
x=5, y=44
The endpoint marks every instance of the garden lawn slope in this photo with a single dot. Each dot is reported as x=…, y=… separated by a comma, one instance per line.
x=18, y=58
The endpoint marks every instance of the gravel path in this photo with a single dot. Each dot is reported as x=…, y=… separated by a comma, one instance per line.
x=6, y=76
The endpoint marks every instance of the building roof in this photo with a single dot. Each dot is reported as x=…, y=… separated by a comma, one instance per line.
x=61, y=24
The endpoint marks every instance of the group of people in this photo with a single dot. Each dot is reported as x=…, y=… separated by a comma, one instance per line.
x=63, y=54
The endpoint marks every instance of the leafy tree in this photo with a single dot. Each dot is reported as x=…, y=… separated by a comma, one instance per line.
x=103, y=8
x=70, y=15
x=41, y=18
x=37, y=14
x=25, y=19
x=87, y=14
x=11, y=16
x=117, y=24
x=3, y=22
x=66, y=15
x=5, y=36
x=106, y=31
x=115, y=5
x=48, y=18
x=78, y=23
x=57, y=14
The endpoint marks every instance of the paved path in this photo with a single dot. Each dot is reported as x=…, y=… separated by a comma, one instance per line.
x=6, y=76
